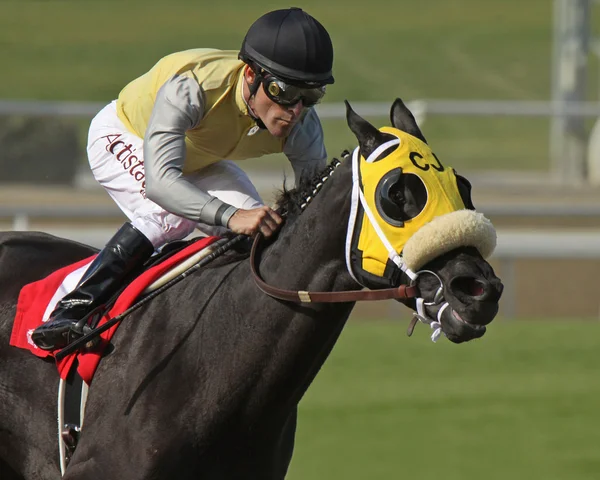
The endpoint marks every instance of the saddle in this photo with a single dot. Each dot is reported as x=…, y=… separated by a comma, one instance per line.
x=168, y=250
x=76, y=367
x=162, y=256
x=37, y=299
x=90, y=322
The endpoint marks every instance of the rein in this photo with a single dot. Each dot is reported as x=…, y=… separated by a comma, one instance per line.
x=303, y=296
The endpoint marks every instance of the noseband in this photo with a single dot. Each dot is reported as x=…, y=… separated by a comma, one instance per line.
x=421, y=316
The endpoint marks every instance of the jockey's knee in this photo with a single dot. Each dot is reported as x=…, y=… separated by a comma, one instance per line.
x=165, y=230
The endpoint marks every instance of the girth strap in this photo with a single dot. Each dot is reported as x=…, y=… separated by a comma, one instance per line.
x=301, y=296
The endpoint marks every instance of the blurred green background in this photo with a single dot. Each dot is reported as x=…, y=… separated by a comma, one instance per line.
x=465, y=49
x=521, y=403
x=87, y=50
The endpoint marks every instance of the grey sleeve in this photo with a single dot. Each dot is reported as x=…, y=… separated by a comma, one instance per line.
x=179, y=106
x=305, y=148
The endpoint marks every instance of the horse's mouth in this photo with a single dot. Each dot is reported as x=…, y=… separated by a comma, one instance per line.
x=457, y=329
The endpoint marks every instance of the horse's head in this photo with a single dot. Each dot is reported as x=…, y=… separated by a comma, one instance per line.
x=413, y=220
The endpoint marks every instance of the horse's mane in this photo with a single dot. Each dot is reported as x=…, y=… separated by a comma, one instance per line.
x=292, y=202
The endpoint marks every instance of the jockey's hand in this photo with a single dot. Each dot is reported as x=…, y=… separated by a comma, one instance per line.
x=250, y=222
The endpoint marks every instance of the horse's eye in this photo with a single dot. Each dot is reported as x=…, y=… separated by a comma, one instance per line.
x=396, y=194
x=400, y=197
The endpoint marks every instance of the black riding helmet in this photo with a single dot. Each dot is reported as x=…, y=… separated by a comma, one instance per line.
x=291, y=45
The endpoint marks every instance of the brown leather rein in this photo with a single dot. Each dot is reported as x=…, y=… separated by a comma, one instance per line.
x=302, y=296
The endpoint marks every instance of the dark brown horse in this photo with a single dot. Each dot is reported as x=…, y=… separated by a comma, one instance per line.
x=204, y=380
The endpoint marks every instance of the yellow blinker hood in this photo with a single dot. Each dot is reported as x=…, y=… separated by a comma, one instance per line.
x=375, y=239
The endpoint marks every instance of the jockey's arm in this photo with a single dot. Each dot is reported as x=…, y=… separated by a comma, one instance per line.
x=179, y=106
x=305, y=148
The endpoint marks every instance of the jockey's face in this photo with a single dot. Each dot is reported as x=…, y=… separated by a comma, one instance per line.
x=279, y=119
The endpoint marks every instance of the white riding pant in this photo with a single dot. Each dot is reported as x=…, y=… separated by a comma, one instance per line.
x=117, y=161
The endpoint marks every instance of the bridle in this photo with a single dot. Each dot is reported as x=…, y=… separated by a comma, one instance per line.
x=304, y=296
x=402, y=292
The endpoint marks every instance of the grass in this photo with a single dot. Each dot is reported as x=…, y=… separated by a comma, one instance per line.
x=520, y=403
x=460, y=49
x=465, y=49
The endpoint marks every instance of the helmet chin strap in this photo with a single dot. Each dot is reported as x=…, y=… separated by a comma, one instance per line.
x=253, y=90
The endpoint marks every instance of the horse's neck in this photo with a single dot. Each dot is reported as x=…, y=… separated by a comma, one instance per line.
x=310, y=255
x=268, y=349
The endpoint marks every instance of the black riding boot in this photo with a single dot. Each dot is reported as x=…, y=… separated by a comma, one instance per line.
x=119, y=260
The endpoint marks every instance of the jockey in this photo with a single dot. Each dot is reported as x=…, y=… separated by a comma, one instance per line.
x=164, y=149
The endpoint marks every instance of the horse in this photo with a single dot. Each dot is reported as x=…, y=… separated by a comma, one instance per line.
x=204, y=380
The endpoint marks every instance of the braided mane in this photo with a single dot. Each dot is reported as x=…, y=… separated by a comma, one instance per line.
x=293, y=202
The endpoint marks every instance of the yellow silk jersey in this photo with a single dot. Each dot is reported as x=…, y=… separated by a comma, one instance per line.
x=190, y=112
x=223, y=130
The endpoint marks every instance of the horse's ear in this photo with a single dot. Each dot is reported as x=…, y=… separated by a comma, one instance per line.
x=403, y=119
x=464, y=188
x=369, y=138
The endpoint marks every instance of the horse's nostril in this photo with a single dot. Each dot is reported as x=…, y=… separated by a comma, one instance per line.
x=468, y=286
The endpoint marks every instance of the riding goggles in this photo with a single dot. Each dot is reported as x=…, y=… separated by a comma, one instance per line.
x=288, y=95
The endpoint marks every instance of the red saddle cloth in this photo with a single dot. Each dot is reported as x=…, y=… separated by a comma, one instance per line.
x=34, y=299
